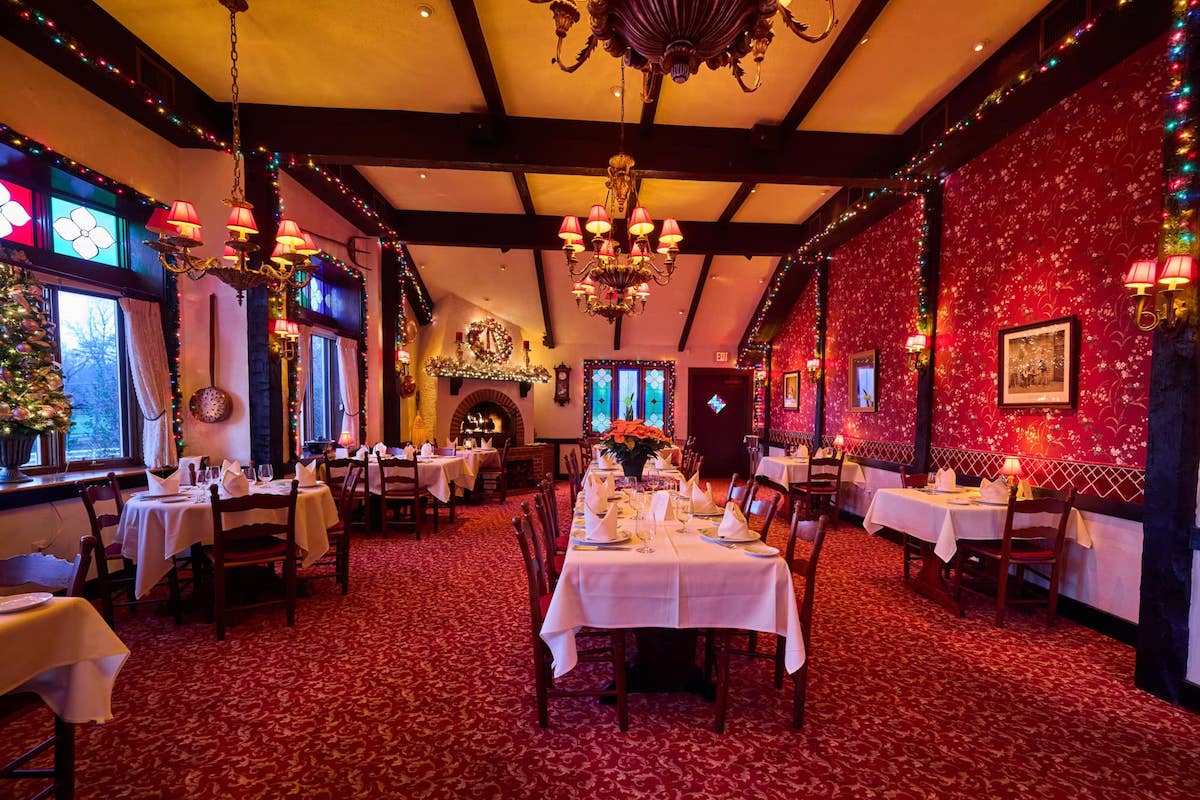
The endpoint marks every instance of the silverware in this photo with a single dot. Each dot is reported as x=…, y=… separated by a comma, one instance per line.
x=596, y=547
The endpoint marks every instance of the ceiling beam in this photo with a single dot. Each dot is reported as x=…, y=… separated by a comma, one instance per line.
x=651, y=108
x=540, y=271
x=571, y=147
x=472, y=33
x=838, y=53
x=530, y=232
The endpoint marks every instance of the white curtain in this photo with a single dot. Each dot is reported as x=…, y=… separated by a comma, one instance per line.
x=147, y=353
x=304, y=365
x=347, y=350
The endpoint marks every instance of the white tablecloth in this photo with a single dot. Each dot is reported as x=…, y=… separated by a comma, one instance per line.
x=686, y=583
x=473, y=461
x=933, y=517
x=434, y=475
x=649, y=471
x=152, y=531
x=66, y=653
x=785, y=469
x=672, y=452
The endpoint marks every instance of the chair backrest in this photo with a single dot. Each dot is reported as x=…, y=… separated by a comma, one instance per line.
x=755, y=457
x=1057, y=503
x=585, y=451
x=574, y=477
x=740, y=494
x=397, y=476
x=92, y=494
x=546, y=528
x=335, y=470
x=813, y=532
x=223, y=535
x=825, y=470
x=321, y=461
x=39, y=571
x=916, y=480
x=551, y=495
x=504, y=456
x=765, y=508
x=345, y=497
x=535, y=569
x=445, y=451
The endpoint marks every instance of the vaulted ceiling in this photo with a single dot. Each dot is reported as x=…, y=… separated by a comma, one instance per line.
x=420, y=79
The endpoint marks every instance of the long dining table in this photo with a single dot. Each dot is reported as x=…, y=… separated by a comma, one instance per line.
x=153, y=530
x=786, y=470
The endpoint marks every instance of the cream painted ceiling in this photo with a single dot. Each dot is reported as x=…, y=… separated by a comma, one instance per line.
x=782, y=203
x=503, y=283
x=734, y=286
x=446, y=189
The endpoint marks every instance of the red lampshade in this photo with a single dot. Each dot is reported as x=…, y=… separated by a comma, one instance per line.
x=670, y=233
x=598, y=220
x=643, y=291
x=637, y=253
x=241, y=220
x=345, y=440
x=280, y=253
x=158, y=224
x=1011, y=467
x=608, y=248
x=589, y=285
x=569, y=230
x=293, y=330
x=839, y=441
x=183, y=214
x=1178, y=271
x=279, y=327
x=640, y=223
x=308, y=247
x=289, y=233
x=229, y=255
x=574, y=245
x=579, y=290
x=1141, y=274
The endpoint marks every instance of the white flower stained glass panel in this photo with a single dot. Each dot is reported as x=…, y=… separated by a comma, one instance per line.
x=16, y=206
x=84, y=232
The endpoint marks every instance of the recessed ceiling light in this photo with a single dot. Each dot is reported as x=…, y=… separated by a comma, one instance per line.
x=980, y=45
x=616, y=91
x=422, y=175
x=503, y=267
x=752, y=191
x=421, y=266
x=864, y=40
x=487, y=299
x=681, y=312
x=424, y=11
x=762, y=280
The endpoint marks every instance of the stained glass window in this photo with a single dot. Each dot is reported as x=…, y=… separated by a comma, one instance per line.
x=315, y=296
x=601, y=400
x=627, y=394
x=84, y=232
x=653, y=397
x=716, y=404
x=639, y=390
x=16, y=213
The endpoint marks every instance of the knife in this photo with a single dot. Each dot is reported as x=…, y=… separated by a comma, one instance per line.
x=596, y=547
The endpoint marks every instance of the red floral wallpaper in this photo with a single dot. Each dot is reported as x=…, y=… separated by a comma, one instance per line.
x=873, y=306
x=790, y=349
x=1041, y=226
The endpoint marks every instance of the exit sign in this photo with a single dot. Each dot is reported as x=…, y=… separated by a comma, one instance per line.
x=722, y=356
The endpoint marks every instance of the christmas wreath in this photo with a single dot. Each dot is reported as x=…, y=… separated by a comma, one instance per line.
x=490, y=341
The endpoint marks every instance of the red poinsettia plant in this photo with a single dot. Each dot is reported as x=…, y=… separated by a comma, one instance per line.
x=630, y=439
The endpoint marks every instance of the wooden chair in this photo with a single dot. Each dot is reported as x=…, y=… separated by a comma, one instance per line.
x=693, y=462
x=574, y=477
x=40, y=572
x=335, y=475
x=399, y=492
x=821, y=490
x=586, y=453
x=755, y=457
x=740, y=494
x=111, y=586
x=764, y=509
x=252, y=544
x=339, y=534
x=912, y=548
x=552, y=552
x=495, y=479
x=987, y=561
x=539, y=602
x=801, y=529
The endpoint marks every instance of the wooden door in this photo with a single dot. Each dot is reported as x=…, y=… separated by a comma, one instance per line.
x=719, y=418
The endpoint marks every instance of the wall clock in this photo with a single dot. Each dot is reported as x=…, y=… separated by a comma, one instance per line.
x=562, y=384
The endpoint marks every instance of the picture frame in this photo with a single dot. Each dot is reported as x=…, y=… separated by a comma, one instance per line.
x=863, y=382
x=1037, y=365
x=791, y=390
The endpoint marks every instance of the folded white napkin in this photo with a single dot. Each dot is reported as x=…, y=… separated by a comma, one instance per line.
x=161, y=486
x=800, y=451
x=733, y=526
x=945, y=480
x=596, y=503
x=688, y=484
x=380, y=449
x=230, y=466
x=702, y=500
x=234, y=484
x=607, y=461
x=487, y=444
x=470, y=444
x=341, y=452
x=409, y=452
x=185, y=474
x=361, y=453
x=660, y=506
x=994, y=491
x=662, y=462
x=1024, y=490
x=599, y=528
x=306, y=476
x=426, y=450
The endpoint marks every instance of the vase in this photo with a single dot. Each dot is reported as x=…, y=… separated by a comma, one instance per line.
x=633, y=465
x=15, y=449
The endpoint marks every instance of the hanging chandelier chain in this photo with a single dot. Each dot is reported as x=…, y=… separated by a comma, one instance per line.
x=622, y=148
x=233, y=100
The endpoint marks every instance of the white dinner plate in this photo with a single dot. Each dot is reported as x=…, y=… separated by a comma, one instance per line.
x=718, y=540
x=21, y=602
x=992, y=502
x=163, y=497
x=760, y=550
x=950, y=491
x=577, y=540
x=960, y=501
x=714, y=515
x=182, y=498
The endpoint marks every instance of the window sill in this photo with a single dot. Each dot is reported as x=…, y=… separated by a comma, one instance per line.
x=51, y=486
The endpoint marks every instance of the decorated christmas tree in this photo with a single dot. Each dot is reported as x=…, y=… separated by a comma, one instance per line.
x=32, y=401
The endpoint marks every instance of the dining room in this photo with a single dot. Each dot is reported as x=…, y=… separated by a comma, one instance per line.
x=632, y=398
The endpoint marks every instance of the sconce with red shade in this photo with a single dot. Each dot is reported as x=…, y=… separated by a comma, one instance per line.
x=286, y=334
x=1143, y=274
x=813, y=368
x=916, y=351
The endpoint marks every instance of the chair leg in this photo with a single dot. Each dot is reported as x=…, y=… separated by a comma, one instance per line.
x=64, y=759
x=175, y=601
x=435, y=514
x=219, y=600
x=618, y=644
x=1001, y=592
x=344, y=566
x=289, y=581
x=541, y=685
x=779, y=643
x=722, y=678
x=1052, y=604
x=799, y=694
x=958, y=570
x=904, y=546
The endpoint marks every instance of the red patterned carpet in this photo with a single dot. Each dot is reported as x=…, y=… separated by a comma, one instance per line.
x=417, y=685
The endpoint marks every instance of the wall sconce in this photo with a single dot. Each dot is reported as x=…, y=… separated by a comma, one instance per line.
x=1178, y=271
x=813, y=367
x=403, y=359
x=916, y=351
x=287, y=333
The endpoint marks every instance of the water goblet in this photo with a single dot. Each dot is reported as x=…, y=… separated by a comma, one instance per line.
x=266, y=473
x=645, y=532
x=683, y=512
x=249, y=473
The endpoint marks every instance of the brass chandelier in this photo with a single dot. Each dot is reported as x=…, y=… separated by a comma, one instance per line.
x=674, y=37
x=178, y=229
x=614, y=282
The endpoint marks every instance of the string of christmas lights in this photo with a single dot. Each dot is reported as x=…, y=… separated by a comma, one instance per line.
x=1178, y=226
x=408, y=276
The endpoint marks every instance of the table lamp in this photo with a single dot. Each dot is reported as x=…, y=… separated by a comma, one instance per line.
x=1011, y=467
x=346, y=439
x=839, y=442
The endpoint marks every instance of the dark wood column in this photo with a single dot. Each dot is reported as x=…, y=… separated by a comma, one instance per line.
x=264, y=397
x=927, y=305
x=821, y=275
x=390, y=298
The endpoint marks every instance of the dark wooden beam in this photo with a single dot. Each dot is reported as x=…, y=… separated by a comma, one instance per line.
x=481, y=60
x=617, y=334
x=527, y=232
x=931, y=264
x=850, y=34
x=264, y=398
x=328, y=194
x=523, y=192
x=540, y=270
x=822, y=275
x=739, y=198
x=391, y=288
x=657, y=87
x=570, y=147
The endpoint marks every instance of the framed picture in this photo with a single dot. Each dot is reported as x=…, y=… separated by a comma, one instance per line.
x=791, y=390
x=1038, y=365
x=863, y=383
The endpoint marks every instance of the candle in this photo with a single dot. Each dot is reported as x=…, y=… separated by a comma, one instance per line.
x=458, y=336
x=526, y=344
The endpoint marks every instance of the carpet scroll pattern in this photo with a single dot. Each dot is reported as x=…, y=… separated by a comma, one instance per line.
x=417, y=685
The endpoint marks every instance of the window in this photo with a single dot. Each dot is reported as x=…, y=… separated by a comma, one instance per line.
x=84, y=232
x=315, y=297
x=323, y=400
x=16, y=213
x=628, y=390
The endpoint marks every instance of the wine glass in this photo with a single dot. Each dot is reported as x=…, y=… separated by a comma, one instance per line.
x=635, y=500
x=683, y=512
x=249, y=473
x=645, y=530
x=266, y=473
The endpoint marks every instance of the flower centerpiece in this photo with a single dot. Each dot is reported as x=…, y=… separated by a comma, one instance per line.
x=32, y=401
x=631, y=442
